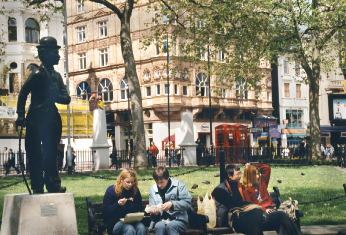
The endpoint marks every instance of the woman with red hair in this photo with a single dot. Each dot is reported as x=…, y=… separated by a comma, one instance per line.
x=255, y=183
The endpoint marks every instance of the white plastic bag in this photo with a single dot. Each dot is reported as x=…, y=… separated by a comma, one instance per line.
x=207, y=207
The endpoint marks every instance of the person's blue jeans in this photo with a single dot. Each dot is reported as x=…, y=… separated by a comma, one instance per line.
x=175, y=227
x=129, y=229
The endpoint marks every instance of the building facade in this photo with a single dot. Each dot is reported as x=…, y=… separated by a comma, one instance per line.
x=21, y=30
x=96, y=66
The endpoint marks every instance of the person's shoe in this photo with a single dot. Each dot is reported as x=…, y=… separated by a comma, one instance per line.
x=58, y=190
x=38, y=191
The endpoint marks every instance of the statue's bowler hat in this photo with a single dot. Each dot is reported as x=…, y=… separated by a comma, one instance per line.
x=48, y=42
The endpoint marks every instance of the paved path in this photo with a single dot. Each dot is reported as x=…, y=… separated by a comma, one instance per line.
x=316, y=230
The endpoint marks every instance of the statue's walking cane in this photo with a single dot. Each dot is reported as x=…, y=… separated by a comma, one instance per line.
x=21, y=160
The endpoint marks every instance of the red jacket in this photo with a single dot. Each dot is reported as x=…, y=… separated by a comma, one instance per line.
x=153, y=150
x=250, y=192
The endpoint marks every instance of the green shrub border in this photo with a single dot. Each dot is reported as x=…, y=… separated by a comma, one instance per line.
x=300, y=162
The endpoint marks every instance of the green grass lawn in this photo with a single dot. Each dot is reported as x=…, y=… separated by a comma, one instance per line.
x=318, y=183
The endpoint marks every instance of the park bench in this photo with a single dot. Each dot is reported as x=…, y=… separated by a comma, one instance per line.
x=97, y=227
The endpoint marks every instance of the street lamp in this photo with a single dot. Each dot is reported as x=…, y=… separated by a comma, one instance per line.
x=129, y=125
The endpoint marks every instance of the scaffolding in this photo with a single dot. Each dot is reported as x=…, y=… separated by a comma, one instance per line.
x=81, y=119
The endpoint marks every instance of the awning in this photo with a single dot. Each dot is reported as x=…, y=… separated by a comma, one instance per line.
x=332, y=128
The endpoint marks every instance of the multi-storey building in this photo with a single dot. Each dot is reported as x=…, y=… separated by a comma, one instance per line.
x=96, y=66
x=292, y=102
x=20, y=31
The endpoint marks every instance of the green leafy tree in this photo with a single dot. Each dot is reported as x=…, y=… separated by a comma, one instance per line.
x=124, y=14
x=306, y=31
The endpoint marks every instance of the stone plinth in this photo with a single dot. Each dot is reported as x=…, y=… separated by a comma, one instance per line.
x=50, y=213
x=100, y=146
x=189, y=154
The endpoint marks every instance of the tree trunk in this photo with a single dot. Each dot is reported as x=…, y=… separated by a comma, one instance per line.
x=140, y=156
x=314, y=80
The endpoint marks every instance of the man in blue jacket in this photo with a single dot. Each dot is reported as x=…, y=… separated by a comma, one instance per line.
x=169, y=200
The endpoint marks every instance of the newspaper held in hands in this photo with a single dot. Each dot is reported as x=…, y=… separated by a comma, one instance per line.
x=149, y=208
x=132, y=217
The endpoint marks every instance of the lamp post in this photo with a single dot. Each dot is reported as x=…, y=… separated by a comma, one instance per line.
x=69, y=154
x=169, y=121
x=129, y=125
x=210, y=113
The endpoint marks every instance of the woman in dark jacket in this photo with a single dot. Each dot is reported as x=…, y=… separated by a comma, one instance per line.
x=120, y=199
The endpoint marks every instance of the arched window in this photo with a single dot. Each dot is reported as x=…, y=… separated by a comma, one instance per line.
x=105, y=88
x=83, y=90
x=124, y=89
x=202, y=85
x=12, y=30
x=32, y=31
x=32, y=67
x=241, y=89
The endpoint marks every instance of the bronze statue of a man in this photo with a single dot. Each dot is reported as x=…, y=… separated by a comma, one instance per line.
x=43, y=122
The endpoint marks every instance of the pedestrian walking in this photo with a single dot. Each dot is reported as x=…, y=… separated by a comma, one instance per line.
x=114, y=158
x=11, y=162
x=153, y=151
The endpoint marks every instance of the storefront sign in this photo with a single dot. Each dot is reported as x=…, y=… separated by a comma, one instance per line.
x=8, y=112
x=253, y=130
x=293, y=131
x=264, y=122
x=274, y=132
x=205, y=127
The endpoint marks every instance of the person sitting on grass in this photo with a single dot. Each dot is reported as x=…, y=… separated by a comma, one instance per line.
x=120, y=199
x=255, y=182
x=169, y=200
x=229, y=195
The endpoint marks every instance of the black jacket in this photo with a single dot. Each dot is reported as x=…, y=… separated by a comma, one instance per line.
x=224, y=201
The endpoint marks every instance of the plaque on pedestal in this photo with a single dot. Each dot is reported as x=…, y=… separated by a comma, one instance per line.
x=51, y=213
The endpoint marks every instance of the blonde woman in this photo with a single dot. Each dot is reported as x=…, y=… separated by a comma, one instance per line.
x=120, y=199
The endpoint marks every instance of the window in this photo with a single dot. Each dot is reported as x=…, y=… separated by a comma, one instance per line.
x=165, y=45
x=124, y=89
x=80, y=6
x=103, y=57
x=297, y=68
x=12, y=30
x=164, y=16
x=155, y=16
x=167, y=89
x=221, y=56
x=200, y=24
x=268, y=82
x=269, y=96
x=298, y=91
x=223, y=93
x=81, y=34
x=157, y=73
x=83, y=90
x=147, y=91
x=175, y=89
x=241, y=89
x=101, y=5
x=286, y=68
x=295, y=119
x=82, y=61
x=165, y=72
x=106, y=88
x=202, y=52
x=157, y=49
x=202, y=85
x=184, y=90
x=185, y=74
x=175, y=46
x=32, y=31
x=287, y=90
x=158, y=89
x=174, y=18
x=147, y=76
x=103, y=29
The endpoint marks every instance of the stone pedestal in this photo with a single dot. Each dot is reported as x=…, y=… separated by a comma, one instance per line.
x=100, y=146
x=50, y=213
x=189, y=154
